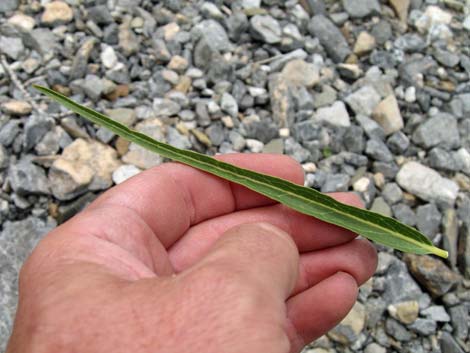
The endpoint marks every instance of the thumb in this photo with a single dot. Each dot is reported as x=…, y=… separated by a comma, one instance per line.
x=261, y=254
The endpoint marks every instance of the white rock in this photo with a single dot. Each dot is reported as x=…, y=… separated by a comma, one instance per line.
x=309, y=167
x=251, y=4
x=108, y=56
x=431, y=17
x=427, y=184
x=410, y=94
x=22, y=22
x=387, y=114
x=254, y=146
x=125, y=172
x=336, y=115
x=463, y=158
x=361, y=185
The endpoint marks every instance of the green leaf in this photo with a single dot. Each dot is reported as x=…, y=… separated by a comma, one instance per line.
x=373, y=226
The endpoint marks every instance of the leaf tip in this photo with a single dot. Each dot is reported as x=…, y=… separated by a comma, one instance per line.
x=441, y=253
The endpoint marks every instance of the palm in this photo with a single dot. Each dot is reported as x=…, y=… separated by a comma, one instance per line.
x=165, y=220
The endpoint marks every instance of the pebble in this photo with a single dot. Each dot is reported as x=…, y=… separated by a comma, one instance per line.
x=336, y=183
x=365, y=43
x=124, y=172
x=428, y=219
x=108, y=56
x=266, y=29
x=448, y=344
x=214, y=35
x=27, y=178
x=380, y=206
x=82, y=165
x=361, y=8
x=16, y=107
x=8, y=5
x=404, y=214
x=229, y=105
x=392, y=193
x=432, y=274
x=330, y=38
x=165, y=107
x=12, y=47
x=139, y=156
x=405, y=312
x=424, y=327
x=387, y=114
x=56, y=13
x=436, y=313
x=378, y=150
x=427, y=184
x=439, y=130
x=364, y=100
x=335, y=115
x=348, y=330
x=23, y=22
x=300, y=73
x=401, y=8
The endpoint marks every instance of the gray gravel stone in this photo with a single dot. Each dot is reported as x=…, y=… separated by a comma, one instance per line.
x=214, y=35
x=354, y=140
x=398, y=142
x=17, y=240
x=423, y=327
x=460, y=321
x=12, y=47
x=427, y=184
x=439, y=130
x=428, y=219
x=165, y=107
x=8, y=5
x=336, y=115
x=448, y=344
x=266, y=29
x=336, y=182
x=42, y=40
x=364, y=100
x=35, y=129
x=27, y=178
x=361, y=8
x=229, y=105
x=404, y=214
x=436, y=313
x=371, y=128
x=330, y=38
x=379, y=151
x=397, y=330
x=392, y=193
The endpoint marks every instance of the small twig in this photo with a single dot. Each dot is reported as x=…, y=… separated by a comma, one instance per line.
x=34, y=79
x=11, y=73
x=268, y=60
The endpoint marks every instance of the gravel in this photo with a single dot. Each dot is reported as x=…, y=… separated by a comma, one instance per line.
x=370, y=96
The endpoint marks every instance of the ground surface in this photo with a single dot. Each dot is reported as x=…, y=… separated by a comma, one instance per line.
x=370, y=96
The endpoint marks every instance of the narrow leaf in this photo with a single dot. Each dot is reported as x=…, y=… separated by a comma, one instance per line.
x=381, y=229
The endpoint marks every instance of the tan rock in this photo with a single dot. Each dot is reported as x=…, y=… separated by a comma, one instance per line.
x=387, y=114
x=83, y=165
x=300, y=73
x=401, y=8
x=56, y=13
x=348, y=330
x=125, y=116
x=178, y=63
x=405, y=312
x=16, y=107
x=202, y=137
x=365, y=43
x=22, y=22
x=139, y=156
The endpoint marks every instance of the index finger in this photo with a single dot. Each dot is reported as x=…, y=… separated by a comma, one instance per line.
x=172, y=197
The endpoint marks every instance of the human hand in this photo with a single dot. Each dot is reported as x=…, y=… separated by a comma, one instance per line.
x=176, y=259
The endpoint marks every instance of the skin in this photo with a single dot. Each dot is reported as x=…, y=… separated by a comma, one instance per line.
x=176, y=258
